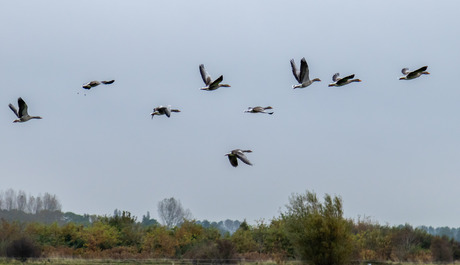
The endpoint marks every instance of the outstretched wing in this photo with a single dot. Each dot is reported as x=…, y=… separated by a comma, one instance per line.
x=22, y=108
x=421, y=69
x=405, y=71
x=295, y=72
x=304, y=72
x=233, y=160
x=348, y=77
x=215, y=83
x=243, y=158
x=168, y=111
x=204, y=74
x=335, y=77
x=108, y=82
x=14, y=110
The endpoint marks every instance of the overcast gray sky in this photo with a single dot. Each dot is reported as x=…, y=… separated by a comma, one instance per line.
x=389, y=148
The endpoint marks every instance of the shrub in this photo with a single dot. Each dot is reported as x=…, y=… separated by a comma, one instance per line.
x=22, y=249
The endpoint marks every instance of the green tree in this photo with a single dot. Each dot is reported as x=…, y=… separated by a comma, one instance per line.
x=100, y=236
x=243, y=239
x=319, y=233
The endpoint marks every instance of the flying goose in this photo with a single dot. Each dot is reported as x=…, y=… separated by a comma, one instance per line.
x=22, y=114
x=302, y=76
x=238, y=153
x=259, y=109
x=414, y=74
x=343, y=81
x=211, y=85
x=92, y=84
x=161, y=110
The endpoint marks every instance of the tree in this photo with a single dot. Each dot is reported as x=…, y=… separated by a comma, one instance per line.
x=147, y=220
x=172, y=213
x=441, y=249
x=21, y=201
x=319, y=233
x=51, y=203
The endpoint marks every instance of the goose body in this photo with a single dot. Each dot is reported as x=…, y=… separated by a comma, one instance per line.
x=162, y=110
x=22, y=114
x=236, y=154
x=95, y=83
x=302, y=76
x=414, y=74
x=259, y=109
x=210, y=84
x=343, y=81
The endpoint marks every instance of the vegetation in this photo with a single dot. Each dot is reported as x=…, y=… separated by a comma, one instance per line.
x=319, y=232
x=309, y=230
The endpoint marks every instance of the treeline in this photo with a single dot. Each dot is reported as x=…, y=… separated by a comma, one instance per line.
x=311, y=230
x=453, y=233
x=12, y=200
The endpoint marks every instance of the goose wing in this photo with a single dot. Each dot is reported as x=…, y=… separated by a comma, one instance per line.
x=108, y=82
x=295, y=72
x=346, y=78
x=243, y=158
x=204, y=74
x=335, y=77
x=168, y=111
x=22, y=108
x=14, y=110
x=304, y=71
x=216, y=82
x=421, y=69
x=233, y=160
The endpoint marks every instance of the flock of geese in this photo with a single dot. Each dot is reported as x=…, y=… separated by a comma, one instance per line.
x=302, y=76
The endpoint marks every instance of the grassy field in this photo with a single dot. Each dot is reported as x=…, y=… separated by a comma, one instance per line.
x=160, y=262
x=119, y=262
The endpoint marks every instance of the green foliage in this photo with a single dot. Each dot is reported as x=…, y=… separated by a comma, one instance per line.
x=160, y=243
x=318, y=232
x=243, y=239
x=100, y=236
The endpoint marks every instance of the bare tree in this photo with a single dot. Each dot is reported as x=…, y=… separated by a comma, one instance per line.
x=172, y=213
x=31, y=204
x=51, y=203
x=21, y=200
x=38, y=205
x=2, y=202
x=10, y=199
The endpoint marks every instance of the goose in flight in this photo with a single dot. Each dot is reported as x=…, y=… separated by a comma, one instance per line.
x=259, y=109
x=211, y=85
x=343, y=81
x=92, y=84
x=302, y=76
x=22, y=114
x=236, y=154
x=161, y=110
x=414, y=74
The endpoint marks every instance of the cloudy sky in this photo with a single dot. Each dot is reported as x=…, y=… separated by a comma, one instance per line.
x=389, y=148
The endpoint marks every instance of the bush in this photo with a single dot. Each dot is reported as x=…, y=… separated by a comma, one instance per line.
x=221, y=251
x=22, y=249
x=318, y=231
